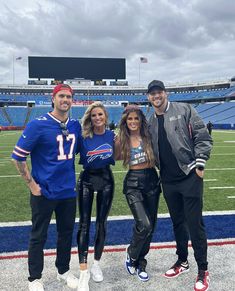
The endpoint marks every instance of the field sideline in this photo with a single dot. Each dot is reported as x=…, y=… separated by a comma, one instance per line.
x=221, y=243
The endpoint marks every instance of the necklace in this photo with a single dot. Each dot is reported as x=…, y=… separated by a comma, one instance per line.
x=136, y=138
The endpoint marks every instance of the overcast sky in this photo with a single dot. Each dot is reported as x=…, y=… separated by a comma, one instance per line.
x=183, y=40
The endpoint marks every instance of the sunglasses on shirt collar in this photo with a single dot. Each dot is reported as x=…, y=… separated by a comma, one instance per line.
x=64, y=129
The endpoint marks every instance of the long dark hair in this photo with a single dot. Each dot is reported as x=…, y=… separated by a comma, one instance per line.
x=124, y=136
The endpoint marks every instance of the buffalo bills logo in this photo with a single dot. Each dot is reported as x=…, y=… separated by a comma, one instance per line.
x=103, y=152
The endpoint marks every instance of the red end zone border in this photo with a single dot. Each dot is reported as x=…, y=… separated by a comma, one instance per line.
x=109, y=249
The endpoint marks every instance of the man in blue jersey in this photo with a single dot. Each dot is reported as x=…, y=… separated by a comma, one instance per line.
x=52, y=141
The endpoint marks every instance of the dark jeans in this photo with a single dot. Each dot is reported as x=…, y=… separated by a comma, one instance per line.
x=42, y=209
x=142, y=191
x=100, y=180
x=185, y=201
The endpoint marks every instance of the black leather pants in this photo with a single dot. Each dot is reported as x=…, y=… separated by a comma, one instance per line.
x=100, y=180
x=142, y=191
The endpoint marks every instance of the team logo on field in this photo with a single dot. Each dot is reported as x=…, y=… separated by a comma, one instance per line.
x=102, y=152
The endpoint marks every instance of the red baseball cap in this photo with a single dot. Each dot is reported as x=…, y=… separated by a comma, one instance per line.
x=61, y=87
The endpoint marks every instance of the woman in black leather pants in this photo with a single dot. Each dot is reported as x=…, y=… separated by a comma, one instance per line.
x=96, y=156
x=141, y=186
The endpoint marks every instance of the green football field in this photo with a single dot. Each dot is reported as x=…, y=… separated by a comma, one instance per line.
x=219, y=187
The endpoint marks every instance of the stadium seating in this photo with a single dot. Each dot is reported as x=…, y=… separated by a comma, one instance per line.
x=38, y=111
x=3, y=119
x=216, y=111
x=17, y=115
x=222, y=113
x=45, y=99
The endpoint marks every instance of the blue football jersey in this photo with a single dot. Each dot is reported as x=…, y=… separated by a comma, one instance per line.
x=98, y=151
x=52, y=154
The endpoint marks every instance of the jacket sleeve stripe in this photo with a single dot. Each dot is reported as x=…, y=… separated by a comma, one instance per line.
x=200, y=161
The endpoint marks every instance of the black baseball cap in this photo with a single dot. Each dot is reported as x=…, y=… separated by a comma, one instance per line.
x=156, y=84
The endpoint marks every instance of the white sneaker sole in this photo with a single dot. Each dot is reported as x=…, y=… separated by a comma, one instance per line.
x=97, y=280
x=143, y=280
x=175, y=276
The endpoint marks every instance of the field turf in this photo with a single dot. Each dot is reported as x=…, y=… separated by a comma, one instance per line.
x=219, y=187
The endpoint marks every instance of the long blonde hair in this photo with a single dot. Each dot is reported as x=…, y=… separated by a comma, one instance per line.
x=87, y=127
x=124, y=136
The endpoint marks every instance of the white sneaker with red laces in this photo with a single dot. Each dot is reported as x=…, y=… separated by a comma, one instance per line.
x=202, y=282
x=177, y=269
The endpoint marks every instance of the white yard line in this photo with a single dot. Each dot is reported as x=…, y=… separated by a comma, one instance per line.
x=215, y=169
x=5, y=134
x=221, y=169
x=219, y=143
x=116, y=172
x=224, y=131
x=226, y=154
x=10, y=176
x=223, y=146
x=231, y=197
x=223, y=187
x=121, y=217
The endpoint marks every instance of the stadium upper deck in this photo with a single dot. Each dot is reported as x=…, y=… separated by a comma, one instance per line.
x=189, y=92
x=173, y=88
x=213, y=100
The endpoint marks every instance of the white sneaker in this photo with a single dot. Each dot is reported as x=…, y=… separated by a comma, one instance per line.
x=83, y=281
x=96, y=272
x=36, y=285
x=69, y=279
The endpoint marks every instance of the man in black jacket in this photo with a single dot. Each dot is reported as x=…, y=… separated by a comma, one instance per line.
x=182, y=146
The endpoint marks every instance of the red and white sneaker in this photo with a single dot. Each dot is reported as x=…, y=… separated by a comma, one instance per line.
x=202, y=282
x=177, y=269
